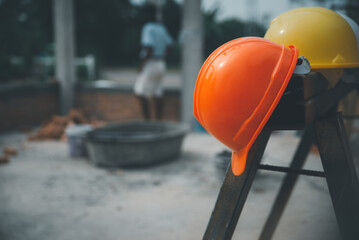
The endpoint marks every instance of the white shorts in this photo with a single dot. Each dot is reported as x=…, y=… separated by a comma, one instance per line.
x=149, y=83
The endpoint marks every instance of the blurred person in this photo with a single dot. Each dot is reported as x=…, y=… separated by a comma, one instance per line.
x=155, y=43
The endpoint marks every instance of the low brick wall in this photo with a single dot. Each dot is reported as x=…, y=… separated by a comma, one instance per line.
x=115, y=102
x=23, y=106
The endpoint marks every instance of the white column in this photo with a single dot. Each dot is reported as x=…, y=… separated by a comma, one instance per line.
x=64, y=52
x=192, y=55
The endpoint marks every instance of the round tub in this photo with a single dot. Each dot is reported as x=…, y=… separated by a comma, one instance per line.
x=135, y=143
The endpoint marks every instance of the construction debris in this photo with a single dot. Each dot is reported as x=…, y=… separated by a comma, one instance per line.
x=4, y=160
x=8, y=151
x=55, y=128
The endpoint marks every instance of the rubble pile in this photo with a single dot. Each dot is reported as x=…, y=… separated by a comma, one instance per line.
x=55, y=128
x=7, y=153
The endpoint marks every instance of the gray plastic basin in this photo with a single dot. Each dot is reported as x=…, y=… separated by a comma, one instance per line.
x=135, y=144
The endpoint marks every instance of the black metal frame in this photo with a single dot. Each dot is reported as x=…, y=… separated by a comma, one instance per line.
x=313, y=106
x=310, y=173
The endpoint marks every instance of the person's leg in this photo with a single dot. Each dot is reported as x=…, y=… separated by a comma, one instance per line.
x=145, y=107
x=142, y=90
x=158, y=105
x=158, y=99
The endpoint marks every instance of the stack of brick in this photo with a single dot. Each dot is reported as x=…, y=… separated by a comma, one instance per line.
x=55, y=128
x=7, y=153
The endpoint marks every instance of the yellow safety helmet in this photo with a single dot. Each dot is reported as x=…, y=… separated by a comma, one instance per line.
x=323, y=36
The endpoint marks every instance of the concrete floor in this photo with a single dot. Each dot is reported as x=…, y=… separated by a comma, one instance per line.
x=47, y=195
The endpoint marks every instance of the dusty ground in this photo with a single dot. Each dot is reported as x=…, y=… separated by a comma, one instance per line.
x=44, y=194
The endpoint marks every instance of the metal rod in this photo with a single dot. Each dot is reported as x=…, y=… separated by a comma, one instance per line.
x=291, y=170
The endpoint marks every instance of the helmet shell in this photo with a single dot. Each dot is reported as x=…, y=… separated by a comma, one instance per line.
x=323, y=36
x=354, y=26
x=237, y=89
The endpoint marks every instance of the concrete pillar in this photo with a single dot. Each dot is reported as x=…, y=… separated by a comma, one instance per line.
x=192, y=55
x=64, y=52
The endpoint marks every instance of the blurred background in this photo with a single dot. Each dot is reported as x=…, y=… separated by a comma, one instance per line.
x=109, y=31
x=101, y=42
x=65, y=62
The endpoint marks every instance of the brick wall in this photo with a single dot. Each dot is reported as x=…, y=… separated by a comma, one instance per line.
x=32, y=104
x=118, y=103
x=27, y=105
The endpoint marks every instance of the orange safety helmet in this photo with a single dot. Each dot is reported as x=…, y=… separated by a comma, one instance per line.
x=238, y=88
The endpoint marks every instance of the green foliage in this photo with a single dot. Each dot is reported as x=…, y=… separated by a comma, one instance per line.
x=110, y=30
x=218, y=33
x=172, y=15
x=352, y=10
x=172, y=19
x=26, y=27
x=350, y=7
